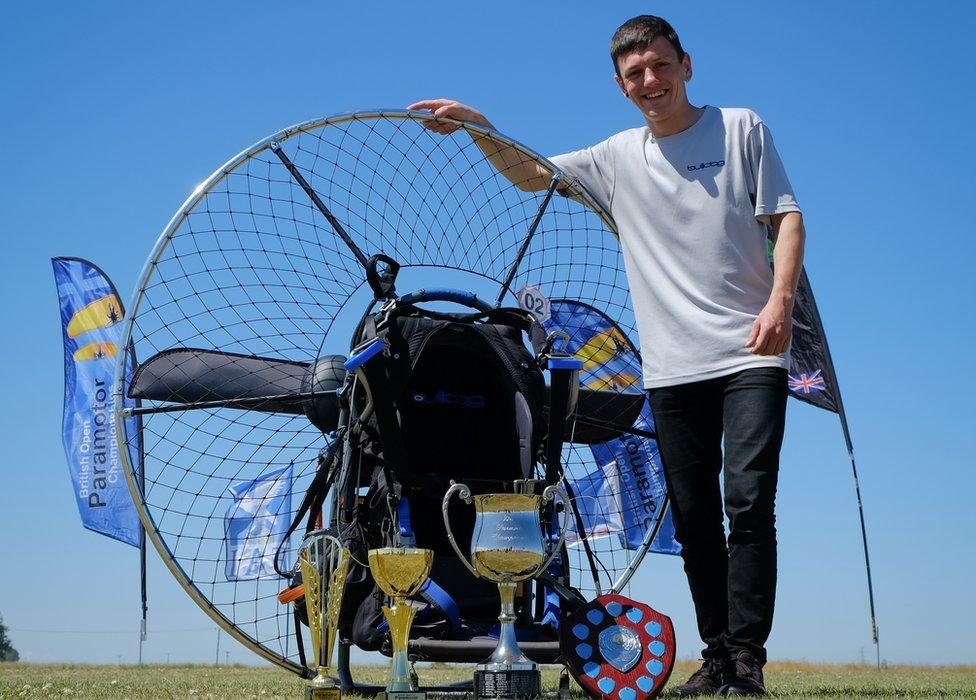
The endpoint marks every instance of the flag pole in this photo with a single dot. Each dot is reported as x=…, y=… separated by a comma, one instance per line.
x=864, y=535
x=142, y=575
x=143, y=591
x=832, y=379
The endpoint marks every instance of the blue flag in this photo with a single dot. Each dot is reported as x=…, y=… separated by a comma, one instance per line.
x=91, y=321
x=255, y=525
x=625, y=495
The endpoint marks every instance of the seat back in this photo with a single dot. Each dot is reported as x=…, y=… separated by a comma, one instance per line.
x=465, y=417
x=469, y=400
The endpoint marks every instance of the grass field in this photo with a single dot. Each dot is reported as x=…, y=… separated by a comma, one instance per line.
x=787, y=680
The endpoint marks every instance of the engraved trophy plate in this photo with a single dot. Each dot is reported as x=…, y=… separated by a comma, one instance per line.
x=507, y=684
x=620, y=646
x=507, y=546
x=324, y=564
x=400, y=572
x=404, y=695
x=313, y=693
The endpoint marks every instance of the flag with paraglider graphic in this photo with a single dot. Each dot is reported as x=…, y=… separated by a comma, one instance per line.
x=91, y=316
x=625, y=495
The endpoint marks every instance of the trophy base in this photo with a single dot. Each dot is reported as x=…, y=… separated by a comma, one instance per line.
x=313, y=692
x=402, y=695
x=510, y=683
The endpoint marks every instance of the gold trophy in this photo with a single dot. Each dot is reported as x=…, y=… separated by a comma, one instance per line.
x=400, y=572
x=507, y=547
x=324, y=563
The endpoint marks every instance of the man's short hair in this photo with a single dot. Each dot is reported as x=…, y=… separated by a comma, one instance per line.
x=637, y=33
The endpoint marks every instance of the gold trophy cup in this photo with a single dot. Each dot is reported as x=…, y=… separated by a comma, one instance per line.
x=324, y=564
x=507, y=547
x=400, y=572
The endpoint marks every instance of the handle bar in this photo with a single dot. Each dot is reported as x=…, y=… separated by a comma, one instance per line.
x=458, y=296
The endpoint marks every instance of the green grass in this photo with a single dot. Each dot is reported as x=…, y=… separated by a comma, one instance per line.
x=788, y=680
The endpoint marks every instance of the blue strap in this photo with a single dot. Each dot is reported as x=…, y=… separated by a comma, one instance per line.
x=436, y=597
x=403, y=522
x=552, y=604
x=550, y=610
x=440, y=598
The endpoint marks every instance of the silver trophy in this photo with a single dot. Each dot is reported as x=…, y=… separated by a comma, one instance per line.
x=507, y=547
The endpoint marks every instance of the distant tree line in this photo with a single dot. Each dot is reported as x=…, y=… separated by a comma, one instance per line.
x=7, y=651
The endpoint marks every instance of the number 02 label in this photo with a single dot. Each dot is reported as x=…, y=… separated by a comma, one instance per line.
x=532, y=299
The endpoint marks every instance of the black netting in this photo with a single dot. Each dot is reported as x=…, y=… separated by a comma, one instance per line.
x=253, y=268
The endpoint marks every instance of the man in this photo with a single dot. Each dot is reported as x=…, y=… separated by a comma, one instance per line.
x=694, y=194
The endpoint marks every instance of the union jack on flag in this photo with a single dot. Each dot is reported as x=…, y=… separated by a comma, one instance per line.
x=807, y=383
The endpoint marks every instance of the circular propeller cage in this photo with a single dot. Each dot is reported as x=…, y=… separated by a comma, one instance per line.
x=249, y=265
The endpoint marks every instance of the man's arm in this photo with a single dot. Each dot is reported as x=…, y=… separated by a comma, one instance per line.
x=773, y=326
x=525, y=173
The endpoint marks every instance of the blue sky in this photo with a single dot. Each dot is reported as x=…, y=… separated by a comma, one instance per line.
x=113, y=112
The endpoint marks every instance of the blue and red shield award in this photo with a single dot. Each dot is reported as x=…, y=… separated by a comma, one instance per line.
x=618, y=649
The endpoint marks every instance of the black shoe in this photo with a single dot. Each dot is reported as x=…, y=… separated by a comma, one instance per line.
x=705, y=681
x=747, y=676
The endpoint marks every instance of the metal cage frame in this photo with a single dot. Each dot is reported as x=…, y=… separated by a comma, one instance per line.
x=575, y=190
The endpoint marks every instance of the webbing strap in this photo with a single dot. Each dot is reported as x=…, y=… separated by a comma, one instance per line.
x=403, y=521
x=550, y=609
x=432, y=593
x=301, y=643
x=373, y=372
x=438, y=597
x=564, y=372
x=550, y=600
x=568, y=596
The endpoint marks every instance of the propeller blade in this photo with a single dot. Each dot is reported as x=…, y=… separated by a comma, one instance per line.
x=192, y=375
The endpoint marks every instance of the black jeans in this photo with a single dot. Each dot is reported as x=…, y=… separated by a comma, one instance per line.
x=733, y=585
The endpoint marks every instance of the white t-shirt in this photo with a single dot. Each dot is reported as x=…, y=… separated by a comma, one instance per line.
x=692, y=212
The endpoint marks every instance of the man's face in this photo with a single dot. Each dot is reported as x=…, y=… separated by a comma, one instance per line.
x=653, y=78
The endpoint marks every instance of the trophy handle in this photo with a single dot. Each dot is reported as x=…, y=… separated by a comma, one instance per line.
x=548, y=495
x=464, y=493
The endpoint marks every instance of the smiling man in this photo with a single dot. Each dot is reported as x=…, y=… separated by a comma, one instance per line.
x=695, y=193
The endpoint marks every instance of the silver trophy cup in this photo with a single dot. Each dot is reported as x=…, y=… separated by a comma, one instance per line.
x=507, y=547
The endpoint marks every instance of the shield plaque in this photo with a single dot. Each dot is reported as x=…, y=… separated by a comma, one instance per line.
x=618, y=649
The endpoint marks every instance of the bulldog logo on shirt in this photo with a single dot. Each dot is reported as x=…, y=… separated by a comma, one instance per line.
x=710, y=164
